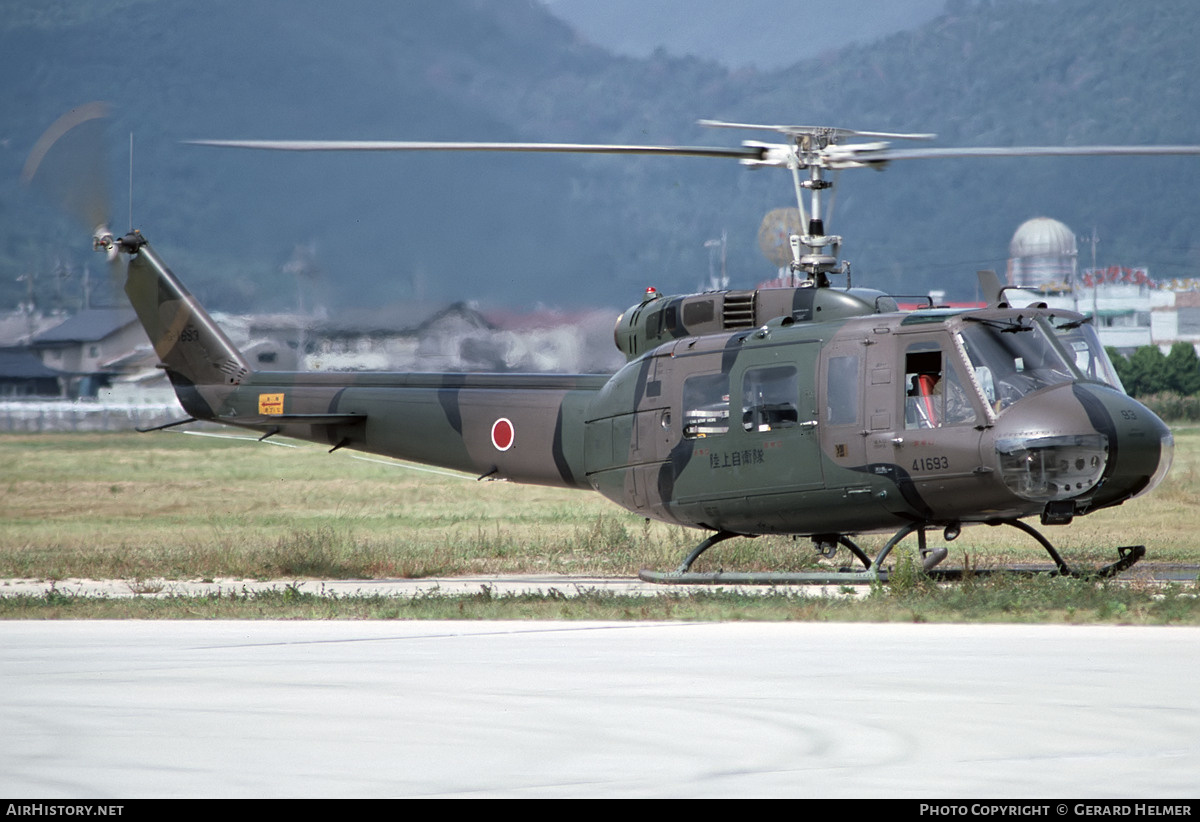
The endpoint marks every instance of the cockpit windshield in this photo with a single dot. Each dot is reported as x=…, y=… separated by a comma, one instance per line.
x=1014, y=358
x=1080, y=339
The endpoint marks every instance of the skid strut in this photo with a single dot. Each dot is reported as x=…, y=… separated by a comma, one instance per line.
x=874, y=570
x=720, y=536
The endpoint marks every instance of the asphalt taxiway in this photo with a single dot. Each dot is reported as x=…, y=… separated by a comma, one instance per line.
x=286, y=709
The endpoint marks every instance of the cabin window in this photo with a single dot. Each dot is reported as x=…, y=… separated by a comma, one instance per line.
x=842, y=390
x=705, y=405
x=934, y=392
x=769, y=398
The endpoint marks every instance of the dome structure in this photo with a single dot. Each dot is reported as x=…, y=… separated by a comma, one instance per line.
x=1042, y=254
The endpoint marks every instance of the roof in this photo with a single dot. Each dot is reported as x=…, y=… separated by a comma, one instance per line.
x=414, y=320
x=1043, y=237
x=18, y=327
x=22, y=364
x=88, y=326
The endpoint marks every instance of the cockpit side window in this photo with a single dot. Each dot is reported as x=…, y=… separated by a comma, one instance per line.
x=1083, y=343
x=1011, y=361
x=934, y=392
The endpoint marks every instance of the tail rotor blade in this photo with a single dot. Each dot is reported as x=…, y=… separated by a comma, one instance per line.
x=69, y=165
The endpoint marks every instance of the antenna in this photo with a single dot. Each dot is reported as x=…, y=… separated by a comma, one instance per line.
x=131, y=181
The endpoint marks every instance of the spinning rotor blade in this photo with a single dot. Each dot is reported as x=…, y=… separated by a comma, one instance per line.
x=878, y=155
x=832, y=134
x=1036, y=151
x=815, y=147
x=822, y=147
x=811, y=149
x=742, y=153
x=68, y=164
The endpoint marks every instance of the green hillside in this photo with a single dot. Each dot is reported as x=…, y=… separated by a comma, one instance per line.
x=581, y=230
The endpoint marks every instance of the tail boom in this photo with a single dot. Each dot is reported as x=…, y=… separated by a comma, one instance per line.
x=527, y=428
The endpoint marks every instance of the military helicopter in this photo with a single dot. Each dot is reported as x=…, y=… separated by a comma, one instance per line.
x=814, y=411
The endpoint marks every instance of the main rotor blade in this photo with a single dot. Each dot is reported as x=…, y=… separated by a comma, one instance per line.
x=738, y=153
x=1030, y=151
x=834, y=155
x=816, y=131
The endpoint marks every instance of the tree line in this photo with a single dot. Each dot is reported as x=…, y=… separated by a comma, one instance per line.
x=1168, y=384
x=1148, y=371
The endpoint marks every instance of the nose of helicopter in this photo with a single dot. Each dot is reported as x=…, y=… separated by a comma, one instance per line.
x=1081, y=446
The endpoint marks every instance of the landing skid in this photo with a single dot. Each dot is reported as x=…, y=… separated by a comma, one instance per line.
x=873, y=570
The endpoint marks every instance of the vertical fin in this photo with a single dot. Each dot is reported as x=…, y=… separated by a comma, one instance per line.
x=187, y=341
x=991, y=288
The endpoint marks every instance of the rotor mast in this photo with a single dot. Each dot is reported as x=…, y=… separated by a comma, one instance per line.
x=809, y=249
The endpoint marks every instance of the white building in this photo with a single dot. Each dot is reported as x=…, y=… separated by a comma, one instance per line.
x=1129, y=308
x=1042, y=254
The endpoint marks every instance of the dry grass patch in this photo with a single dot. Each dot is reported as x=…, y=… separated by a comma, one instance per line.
x=171, y=506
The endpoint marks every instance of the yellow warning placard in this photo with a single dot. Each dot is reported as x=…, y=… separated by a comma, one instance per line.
x=270, y=403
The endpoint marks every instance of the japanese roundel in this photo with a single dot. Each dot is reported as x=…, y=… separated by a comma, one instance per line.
x=502, y=434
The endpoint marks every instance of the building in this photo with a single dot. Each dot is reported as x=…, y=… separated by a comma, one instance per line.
x=1129, y=308
x=1042, y=254
x=81, y=347
x=23, y=376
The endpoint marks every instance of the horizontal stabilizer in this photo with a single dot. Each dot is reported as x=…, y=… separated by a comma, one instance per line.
x=295, y=419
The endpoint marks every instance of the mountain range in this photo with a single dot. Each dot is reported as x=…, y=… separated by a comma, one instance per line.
x=270, y=231
x=762, y=34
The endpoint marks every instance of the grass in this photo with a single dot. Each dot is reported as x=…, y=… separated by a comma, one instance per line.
x=184, y=507
x=1009, y=600
x=166, y=506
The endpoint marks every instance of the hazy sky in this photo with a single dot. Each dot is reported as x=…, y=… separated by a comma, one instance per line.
x=768, y=34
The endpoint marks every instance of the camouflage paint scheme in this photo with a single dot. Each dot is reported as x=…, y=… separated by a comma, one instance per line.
x=820, y=448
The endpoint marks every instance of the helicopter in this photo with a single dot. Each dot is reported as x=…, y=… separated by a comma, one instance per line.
x=815, y=411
